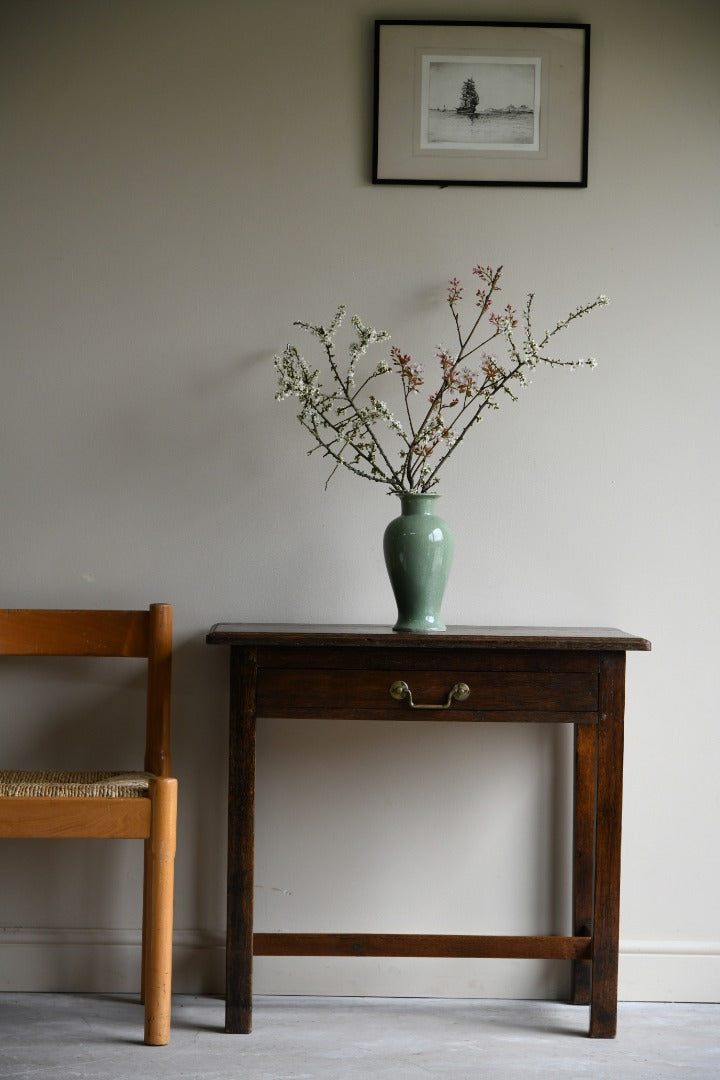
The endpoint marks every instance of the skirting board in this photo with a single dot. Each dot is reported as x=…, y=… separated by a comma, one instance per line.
x=105, y=961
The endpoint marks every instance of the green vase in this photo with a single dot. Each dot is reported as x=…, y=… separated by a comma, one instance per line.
x=418, y=548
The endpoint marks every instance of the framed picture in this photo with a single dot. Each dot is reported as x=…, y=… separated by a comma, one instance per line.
x=481, y=103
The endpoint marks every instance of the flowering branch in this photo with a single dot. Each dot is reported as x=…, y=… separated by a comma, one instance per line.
x=351, y=424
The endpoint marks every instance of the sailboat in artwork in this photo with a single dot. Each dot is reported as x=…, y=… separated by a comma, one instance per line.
x=468, y=98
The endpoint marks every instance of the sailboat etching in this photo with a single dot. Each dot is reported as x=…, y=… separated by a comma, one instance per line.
x=468, y=98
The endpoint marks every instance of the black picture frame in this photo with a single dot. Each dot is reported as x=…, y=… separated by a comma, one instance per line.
x=481, y=103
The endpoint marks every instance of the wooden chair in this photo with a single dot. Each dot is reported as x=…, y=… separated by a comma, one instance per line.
x=115, y=805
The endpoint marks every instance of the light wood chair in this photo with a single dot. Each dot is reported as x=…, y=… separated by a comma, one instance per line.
x=115, y=805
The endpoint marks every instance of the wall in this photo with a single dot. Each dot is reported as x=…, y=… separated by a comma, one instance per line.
x=181, y=180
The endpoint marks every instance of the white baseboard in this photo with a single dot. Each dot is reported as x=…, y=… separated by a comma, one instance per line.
x=669, y=971
x=103, y=961
x=98, y=961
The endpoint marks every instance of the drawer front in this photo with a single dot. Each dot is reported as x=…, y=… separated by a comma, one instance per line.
x=303, y=692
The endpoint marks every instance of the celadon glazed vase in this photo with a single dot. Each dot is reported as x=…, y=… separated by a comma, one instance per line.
x=418, y=549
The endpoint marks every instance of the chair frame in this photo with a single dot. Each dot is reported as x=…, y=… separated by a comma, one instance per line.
x=140, y=634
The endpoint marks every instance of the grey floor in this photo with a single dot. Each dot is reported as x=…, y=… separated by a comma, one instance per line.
x=98, y=1038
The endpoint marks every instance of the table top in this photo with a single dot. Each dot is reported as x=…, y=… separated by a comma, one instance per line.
x=470, y=637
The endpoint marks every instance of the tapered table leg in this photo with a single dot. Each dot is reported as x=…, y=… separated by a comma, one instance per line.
x=606, y=923
x=241, y=843
x=583, y=853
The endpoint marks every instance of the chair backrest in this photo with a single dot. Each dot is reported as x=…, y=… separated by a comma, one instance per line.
x=142, y=634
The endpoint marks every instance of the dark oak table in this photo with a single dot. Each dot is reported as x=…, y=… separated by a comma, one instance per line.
x=487, y=674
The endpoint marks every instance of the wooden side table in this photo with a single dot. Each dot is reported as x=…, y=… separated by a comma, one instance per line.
x=488, y=674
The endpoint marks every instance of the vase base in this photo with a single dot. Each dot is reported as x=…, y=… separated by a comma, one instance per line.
x=418, y=628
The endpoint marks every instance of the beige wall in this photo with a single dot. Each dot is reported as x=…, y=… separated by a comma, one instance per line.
x=180, y=181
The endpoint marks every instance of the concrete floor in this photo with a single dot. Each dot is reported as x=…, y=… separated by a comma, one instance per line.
x=89, y=1037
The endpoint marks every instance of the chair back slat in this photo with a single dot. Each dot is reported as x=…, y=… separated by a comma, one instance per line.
x=74, y=633
x=141, y=634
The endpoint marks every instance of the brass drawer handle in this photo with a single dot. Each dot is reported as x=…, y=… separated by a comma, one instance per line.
x=459, y=692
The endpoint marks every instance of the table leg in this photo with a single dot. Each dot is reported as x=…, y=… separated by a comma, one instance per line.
x=241, y=843
x=606, y=928
x=583, y=853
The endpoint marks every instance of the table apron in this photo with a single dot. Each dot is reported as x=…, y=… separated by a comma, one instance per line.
x=455, y=715
x=279, y=693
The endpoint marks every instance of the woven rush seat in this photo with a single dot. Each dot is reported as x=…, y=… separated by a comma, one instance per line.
x=89, y=785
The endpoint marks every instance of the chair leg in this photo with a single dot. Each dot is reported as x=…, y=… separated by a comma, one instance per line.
x=158, y=921
x=147, y=878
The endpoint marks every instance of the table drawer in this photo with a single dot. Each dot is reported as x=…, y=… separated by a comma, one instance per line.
x=428, y=695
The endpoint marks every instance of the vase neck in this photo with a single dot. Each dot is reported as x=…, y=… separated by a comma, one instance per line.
x=417, y=503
